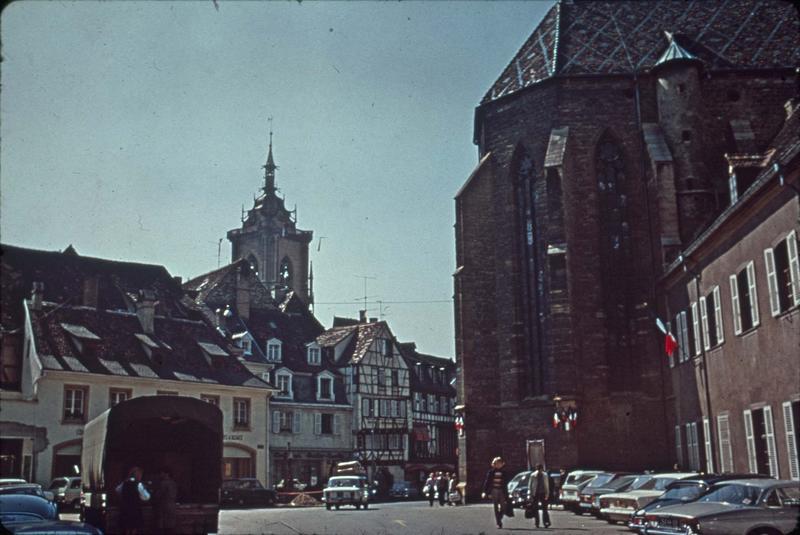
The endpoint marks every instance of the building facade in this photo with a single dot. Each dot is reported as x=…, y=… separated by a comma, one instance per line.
x=733, y=297
x=601, y=157
x=92, y=333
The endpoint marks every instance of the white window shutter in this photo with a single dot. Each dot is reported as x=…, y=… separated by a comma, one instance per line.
x=772, y=282
x=684, y=349
x=725, y=453
x=698, y=343
x=751, y=443
x=736, y=310
x=337, y=424
x=678, y=448
x=704, y=321
x=718, y=315
x=317, y=423
x=751, y=284
x=296, y=423
x=772, y=451
x=794, y=266
x=276, y=421
x=709, y=446
x=791, y=443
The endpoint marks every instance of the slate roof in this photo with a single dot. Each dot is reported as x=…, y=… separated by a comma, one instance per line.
x=418, y=362
x=589, y=37
x=64, y=274
x=218, y=288
x=364, y=335
x=115, y=347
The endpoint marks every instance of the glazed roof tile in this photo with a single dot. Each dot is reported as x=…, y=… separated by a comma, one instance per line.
x=589, y=37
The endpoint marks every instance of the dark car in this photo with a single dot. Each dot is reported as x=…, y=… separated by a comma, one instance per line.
x=34, y=515
x=32, y=489
x=404, y=490
x=590, y=495
x=246, y=491
x=684, y=491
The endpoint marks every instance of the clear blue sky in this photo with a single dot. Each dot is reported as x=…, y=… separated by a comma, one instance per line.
x=136, y=131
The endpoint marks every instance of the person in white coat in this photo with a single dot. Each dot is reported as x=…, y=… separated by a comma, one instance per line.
x=538, y=494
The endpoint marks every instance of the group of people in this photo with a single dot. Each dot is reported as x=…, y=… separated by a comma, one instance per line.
x=444, y=486
x=495, y=487
x=133, y=494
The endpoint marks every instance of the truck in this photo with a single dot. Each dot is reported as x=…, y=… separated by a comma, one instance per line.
x=182, y=434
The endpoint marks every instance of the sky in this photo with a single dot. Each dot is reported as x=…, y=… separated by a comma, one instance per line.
x=136, y=131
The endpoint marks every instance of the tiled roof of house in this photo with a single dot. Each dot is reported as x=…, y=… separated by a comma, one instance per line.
x=590, y=37
x=218, y=288
x=66, y=274
x=421, y=381
x=112, y=343
x=365, y=335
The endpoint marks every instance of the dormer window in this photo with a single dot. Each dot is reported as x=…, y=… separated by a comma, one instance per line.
x=283, y=378
x=245, y=342
x=83, y=338
x=212, y=353
x=274, y=347
x=314, y=354
x=325, y=387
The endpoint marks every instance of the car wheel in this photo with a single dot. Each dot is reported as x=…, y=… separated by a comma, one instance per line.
x=328, y=506
x=358, y=505
x=366, y=506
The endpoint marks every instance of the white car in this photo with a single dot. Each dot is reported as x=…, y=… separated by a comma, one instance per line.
x=67, y=491
x=619, y=507
x=346, y=490
x=571, y=488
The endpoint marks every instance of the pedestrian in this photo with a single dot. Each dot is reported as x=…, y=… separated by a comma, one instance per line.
x=165, y=502
x=538, y=494
x=495, y=486
x=453, y=496
x=442, y=484
x=132, y=493
x=430, y=488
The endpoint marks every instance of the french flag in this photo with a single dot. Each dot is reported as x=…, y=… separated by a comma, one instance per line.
x=670, y=344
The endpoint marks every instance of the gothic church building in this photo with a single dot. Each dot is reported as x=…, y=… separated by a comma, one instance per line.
x=601, y=152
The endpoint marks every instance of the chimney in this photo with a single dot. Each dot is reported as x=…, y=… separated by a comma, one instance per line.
x=243, y=285
x=37, y=295
x=91, y=286
x=178, y=280
x=362, y=316
x=146, y=310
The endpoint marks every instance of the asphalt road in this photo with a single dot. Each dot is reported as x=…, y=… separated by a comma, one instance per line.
x=400, y=518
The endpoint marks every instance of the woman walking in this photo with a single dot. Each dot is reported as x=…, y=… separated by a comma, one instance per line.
x=495, y=486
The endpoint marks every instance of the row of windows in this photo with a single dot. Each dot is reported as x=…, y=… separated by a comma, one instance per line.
x=381, y=441
x=76, y=403
x=292, y=422
x=284, y=379
x=705, y=315
x=432, y=403
x=274, y=351
x=762, y=453
x=386, y=408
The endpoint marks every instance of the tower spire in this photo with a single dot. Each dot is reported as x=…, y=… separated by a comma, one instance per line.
x=269, y=167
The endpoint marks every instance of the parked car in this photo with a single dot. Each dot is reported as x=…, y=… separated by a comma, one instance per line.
x=518, y=488
x=575, y=482
x=283, y=485
x=67, y=491
x=590, y=495
x=246, y=491
x=737, y=507
x=34, y=515
x=32, y=489
x=619, y=507
x=11, y=481
x=683, y=491
x=404, y=490
x=346, y=490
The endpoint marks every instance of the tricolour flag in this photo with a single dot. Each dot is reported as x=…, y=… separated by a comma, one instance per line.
x=670, y=344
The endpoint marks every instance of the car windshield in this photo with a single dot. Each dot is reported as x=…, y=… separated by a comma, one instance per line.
x=350, y=482
x=732, y=493
x=600, y=480
x=639, y=482
x=684, y=493
x=58, y=483
x=578, y=479
x=622, y=483
x=657, y=483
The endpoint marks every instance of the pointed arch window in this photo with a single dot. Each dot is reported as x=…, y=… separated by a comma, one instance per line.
x=285, y=272
x=253, y=264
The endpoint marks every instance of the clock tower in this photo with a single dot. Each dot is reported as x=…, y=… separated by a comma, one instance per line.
x=270, y=240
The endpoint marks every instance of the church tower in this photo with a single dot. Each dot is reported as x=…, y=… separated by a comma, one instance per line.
x=270, y=240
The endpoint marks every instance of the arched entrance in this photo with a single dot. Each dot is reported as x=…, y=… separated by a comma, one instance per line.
x=66, y=459
x=238, y=461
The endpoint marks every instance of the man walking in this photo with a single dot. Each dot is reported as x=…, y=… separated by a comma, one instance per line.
x=538, y=494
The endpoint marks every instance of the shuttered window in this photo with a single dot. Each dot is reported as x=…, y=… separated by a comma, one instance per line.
x=678, y=446
x=709, y=446
x=704, y=322
x=725, y=452
x=698, y=342
x=771, y=449
x=718, y=316
x=736, y=311
x=790, y=425
x=751, y=283
x=751, y=443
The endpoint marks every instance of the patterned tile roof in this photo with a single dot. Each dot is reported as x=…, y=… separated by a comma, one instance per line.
x=365, y=335
x=590, y=37
x=117, y=347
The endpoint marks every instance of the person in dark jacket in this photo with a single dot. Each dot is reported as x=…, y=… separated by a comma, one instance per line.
x=132, y=493
x=495, y=486
x=441, y=487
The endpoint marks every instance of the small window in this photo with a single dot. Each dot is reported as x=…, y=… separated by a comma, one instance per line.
x=274, y=350
x=314, y=356
x=325, y=388
x=285, y=385
x=783, y=275
x=75, y=402
x=118, y=395
x=744, y=299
